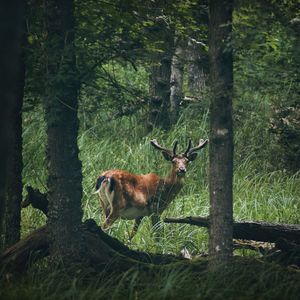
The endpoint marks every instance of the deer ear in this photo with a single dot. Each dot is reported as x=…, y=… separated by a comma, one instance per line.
x=166, y=155
x=192, y=156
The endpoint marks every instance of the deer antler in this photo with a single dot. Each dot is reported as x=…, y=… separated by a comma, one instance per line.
x=174, y=147
x=155, y=144
x=189, y=150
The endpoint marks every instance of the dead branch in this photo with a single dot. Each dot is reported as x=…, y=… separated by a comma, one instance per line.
x=36, y=199
x=258, y=231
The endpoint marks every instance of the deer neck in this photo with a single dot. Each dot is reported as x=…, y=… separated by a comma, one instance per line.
x=167, y=190
x=172, y=184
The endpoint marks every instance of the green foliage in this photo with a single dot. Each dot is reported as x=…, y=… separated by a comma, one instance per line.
x=121, y=90
x=263, y=52
x=285, y=125
x=266, y=72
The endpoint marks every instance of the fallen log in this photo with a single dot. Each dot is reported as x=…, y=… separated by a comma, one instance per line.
x=21, y=255
x=258, y=231
x=101, y=250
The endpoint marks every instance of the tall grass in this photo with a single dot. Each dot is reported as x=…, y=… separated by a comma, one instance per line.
x=260, y=193
x=243, y=279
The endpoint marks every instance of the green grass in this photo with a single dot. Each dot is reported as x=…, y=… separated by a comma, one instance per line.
x=259, y=194
x=243, y=279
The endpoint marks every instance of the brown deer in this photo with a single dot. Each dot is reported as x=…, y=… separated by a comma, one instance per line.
x=130, y=196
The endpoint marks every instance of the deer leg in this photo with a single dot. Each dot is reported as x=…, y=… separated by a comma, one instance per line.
x=136, y=225
x=110, y=219
x=111, y=215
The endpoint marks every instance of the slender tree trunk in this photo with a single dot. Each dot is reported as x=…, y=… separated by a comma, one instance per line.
x=176, y=82
x=61, y=104
x=221, y=133
x=196, y=53
x=159, y=104
x=159, y=81
x=197, y=67
x=11, y=93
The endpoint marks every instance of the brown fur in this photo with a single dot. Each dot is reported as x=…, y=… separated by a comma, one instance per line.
x=134, y=196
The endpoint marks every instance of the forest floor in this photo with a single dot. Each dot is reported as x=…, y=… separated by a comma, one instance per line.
x=245, y=278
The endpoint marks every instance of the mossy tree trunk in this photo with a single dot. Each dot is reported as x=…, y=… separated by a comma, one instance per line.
x=61, y=104
x=221, y=133
x=11, y=93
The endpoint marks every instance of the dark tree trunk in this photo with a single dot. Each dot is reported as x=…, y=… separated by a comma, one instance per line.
x=61, y=104
x=11, y=93
x=160, y=95
x=221, y=133
x=176, y=96
x=159, y=81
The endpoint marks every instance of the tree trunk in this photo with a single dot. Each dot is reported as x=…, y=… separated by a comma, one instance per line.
x=159, y=81
x=176, y=96
x=11, y=91
x=160, y=95
x=221, y=133
x=196, y=53
x=61, y=104
x=197, y=67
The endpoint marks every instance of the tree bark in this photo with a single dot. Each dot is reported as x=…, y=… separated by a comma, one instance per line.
x=197, y=67
x=221, y=133
x=176, y=95
x=11, y=91
x=159, y=81
x=61, y=104
x=160, y=95
x=196, y=53
x=257, y=231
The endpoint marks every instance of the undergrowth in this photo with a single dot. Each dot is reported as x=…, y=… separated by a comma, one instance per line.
x=244, y=279
x=260, y=193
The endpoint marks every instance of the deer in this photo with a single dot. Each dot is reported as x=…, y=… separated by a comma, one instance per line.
x=131, y=196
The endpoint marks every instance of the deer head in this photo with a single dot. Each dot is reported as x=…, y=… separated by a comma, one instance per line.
x=180, y=161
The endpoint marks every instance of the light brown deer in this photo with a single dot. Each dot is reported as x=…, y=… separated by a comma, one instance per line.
x=130, y=196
